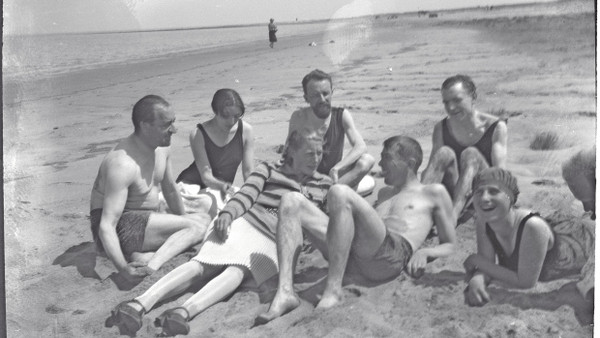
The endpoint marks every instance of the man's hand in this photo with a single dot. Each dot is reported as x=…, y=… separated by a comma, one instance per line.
x=333, y=173
x=476, y=293
x=136, y=271
x=223, y=226
x=416, y=265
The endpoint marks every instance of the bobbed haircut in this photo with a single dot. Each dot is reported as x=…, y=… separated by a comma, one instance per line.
x=407, y=148
x=143, y=110
x=317, y=75
x=466, y=81
x=296, y=140
x=226, y=97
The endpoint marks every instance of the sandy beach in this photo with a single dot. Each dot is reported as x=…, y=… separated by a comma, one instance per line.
x=534, y=64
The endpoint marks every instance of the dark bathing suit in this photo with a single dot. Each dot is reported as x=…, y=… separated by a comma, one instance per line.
x=333, y=142
x=484, y=145
x=389, y=260
x=131, y=229
x=223, y=161
x=567, y=256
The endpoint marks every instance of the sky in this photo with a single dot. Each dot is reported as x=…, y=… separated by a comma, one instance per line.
x=74, y=16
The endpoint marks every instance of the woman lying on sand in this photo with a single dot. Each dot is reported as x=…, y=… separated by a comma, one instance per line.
x=240, y=244
x=527, y=247
x=220, y=144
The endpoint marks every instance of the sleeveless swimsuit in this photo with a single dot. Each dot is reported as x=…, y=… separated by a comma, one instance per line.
x=484, y=145
x=223, y=161
x=333, y=142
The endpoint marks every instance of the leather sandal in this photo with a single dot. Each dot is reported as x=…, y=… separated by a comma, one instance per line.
x=127, y=317
x=174, y=323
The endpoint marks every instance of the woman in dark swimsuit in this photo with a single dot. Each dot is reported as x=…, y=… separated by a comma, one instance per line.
x=527, y=248
x=220, y=144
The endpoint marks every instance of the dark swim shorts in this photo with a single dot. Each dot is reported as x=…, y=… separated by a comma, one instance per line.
x=130, y=229
x=389, y=260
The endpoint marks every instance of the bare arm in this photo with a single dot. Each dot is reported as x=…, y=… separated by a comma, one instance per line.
x=437, y=142
x=169, y=187
x=443, y=217
x=248, y=159
x=356, y=141
x=499, y=145
x=119, y=177
x=202, y=163
x=534, y=245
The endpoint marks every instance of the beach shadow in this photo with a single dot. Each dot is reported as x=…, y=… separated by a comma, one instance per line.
x=548, y=301
x=440, y=279
x=82, y=256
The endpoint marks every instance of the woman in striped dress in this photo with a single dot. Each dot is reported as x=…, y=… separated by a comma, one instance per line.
x=239, y=245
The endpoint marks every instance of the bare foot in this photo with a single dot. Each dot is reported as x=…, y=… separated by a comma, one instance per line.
x=330, y=299
x=282, y=304
x=143, y=257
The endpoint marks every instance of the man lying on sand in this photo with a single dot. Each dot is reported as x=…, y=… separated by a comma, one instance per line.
x=580, y=174
x=380, y=241
x=125, y=224
x=333, y=124
x=464, y=143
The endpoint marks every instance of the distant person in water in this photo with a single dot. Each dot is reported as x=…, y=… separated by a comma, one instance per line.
x=380, y=241
x=517, y=247
x=464, y=143
x=334, y=124
x=272, y=31
x=124, y=202
x=220, y=145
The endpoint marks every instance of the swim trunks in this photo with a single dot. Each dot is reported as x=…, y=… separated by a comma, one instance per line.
x=223, y=161
x=130, y=229
x=389, y=260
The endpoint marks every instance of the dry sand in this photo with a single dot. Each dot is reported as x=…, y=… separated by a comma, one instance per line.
x=539, y=69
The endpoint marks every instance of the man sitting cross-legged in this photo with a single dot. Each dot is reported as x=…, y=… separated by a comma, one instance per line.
x=379, y=241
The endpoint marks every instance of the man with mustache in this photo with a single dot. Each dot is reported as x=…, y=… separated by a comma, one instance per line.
x=333, y=124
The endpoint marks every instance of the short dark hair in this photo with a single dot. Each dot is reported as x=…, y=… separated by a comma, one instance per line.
x=407, y=148
x=317, y=75
x=297, y=139
x=226, y=97
x=583, y=163
x=466, y=81
x=143, y=110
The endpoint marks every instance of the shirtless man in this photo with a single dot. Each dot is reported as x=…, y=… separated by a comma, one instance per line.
x=124, y=201
x=464, y=143
x=379, y=241
x=333, y=124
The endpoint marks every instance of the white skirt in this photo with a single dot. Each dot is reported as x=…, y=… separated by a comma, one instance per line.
x=245, y=246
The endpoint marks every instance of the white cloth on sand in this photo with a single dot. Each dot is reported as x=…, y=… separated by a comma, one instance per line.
x=196, y=200
x=245, y=246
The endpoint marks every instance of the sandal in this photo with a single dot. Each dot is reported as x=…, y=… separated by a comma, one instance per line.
x=173, y=323
x=126, y=316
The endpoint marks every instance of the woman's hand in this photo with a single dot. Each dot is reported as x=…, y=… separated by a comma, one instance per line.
x=223, y=226
x=476, y=293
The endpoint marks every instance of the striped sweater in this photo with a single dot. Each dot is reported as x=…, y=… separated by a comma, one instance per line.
x=258, y=199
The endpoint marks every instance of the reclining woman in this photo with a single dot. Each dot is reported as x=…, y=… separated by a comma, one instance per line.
x=241, y=243
x=219, y=146
x=527, y=247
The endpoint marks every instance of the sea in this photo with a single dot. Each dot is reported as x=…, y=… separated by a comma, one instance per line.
x=27, y=57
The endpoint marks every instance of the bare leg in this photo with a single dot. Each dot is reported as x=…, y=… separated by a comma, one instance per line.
x=170, y=235
x=442, y=168
x=471, y=162
x=353, y=225
x=360, y=168
x=215, y=290
x=295, y=211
